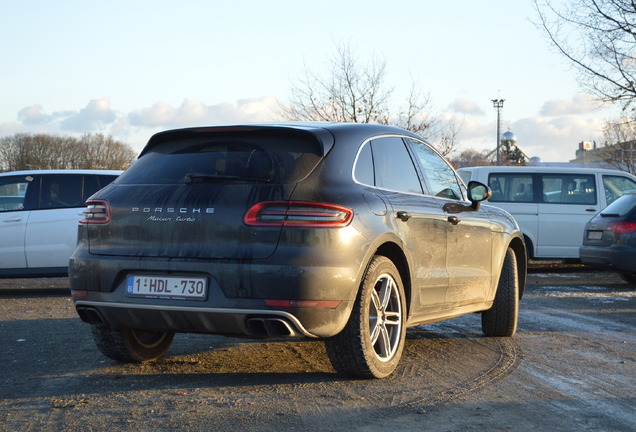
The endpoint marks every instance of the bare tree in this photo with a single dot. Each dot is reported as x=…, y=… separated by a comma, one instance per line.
x=40, y=151
x=358, y=93
x=472, y=157
x=102, y=152
x=619, y=151
x=598, y=37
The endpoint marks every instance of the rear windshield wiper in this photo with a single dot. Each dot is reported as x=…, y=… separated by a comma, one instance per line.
x=211, y=178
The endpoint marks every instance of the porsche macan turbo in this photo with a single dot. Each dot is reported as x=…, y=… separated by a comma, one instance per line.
x=346, y=232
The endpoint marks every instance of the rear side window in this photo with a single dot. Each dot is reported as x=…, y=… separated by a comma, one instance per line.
x=617, y=186
x=511, y=187
x=60, y=191
x=568, y=189
x=394, y=169
x=229, y=158
x=93, y=183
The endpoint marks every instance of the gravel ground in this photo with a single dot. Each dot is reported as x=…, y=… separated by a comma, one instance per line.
x=571, y=366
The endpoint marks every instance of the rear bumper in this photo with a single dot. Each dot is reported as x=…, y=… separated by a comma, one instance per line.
x=235, y=303
x=237, y=322
x=618, y=258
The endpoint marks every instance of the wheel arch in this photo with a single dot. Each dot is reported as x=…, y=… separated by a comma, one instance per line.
x=519, y=248
x=395, y=253
x=529, y=244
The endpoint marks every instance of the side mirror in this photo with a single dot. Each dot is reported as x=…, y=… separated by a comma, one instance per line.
x=477, y=192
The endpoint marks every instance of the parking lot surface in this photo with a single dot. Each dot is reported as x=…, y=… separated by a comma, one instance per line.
x=571, y=366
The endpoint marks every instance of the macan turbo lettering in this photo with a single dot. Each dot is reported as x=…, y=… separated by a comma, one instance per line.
x=348, y=233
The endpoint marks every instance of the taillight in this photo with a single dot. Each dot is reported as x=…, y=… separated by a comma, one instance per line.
x=297, y=214
x=96, y=212
x=622, y=227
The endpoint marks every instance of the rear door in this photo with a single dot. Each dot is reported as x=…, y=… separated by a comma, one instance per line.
x=51, y=233
x=14, y=216
x=568, y=202
x=517, y=193
x=418, y=220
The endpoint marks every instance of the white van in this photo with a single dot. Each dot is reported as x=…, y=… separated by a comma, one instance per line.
x=552, y=204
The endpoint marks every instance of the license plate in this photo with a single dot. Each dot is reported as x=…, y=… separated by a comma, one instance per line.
x=167, y=287
x=594, y=235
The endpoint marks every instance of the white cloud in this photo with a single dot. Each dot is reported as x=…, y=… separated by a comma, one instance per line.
x=94, y=115
x=194, y=112
x=553, y=134
x=464, y=106
x=33, y=115
x=579, y=104
x=137, y=126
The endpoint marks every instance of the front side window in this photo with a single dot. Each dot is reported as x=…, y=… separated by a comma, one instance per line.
x=617, y=186
x=440, y=177
x=568, y=189
x=394, y=169
x=13, y=192
x=511, y=187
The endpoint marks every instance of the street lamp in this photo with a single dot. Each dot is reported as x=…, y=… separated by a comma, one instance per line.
x=498, y=104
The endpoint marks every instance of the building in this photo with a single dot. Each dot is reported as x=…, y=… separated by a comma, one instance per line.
x=616, y=156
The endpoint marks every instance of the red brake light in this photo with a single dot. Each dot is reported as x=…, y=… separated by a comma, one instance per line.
x=622, y=227
x=298, y=214
x=96, y=212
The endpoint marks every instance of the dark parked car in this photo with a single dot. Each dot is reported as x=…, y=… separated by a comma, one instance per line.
x=610, y=238
x=346, y=232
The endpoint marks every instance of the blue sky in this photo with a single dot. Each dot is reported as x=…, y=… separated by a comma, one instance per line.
x=132, y=68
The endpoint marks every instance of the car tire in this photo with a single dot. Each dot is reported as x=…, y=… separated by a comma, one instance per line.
x=130, y=345
x=501, y=319
x=629, y=277
x=371, y=344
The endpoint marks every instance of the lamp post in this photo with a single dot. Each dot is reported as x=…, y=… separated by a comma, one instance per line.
x=498, y=104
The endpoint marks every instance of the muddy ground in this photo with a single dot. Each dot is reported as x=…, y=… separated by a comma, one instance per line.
x=571, y=366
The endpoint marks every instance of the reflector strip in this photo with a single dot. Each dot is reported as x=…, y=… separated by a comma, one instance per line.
x=324, y=304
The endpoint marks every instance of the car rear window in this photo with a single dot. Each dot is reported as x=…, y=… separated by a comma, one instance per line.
x=265, y=157
x=620, y=207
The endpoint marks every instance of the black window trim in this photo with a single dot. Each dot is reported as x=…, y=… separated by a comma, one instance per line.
x=537, y=186
x=367, y=141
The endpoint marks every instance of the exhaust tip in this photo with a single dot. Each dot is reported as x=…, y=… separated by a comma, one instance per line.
x=90, y=316
x=271, y=327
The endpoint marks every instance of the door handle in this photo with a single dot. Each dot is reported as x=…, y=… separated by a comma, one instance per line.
x=15, y=219
x=403, y=216
x=590, y=210
x=453, y=220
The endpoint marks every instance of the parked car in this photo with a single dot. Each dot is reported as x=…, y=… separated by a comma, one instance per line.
x=552, y=204
x=346, y=232
x=39, y=213
x=610, y=238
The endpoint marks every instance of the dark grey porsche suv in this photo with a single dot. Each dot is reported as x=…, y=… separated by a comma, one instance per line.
x=346, y=232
